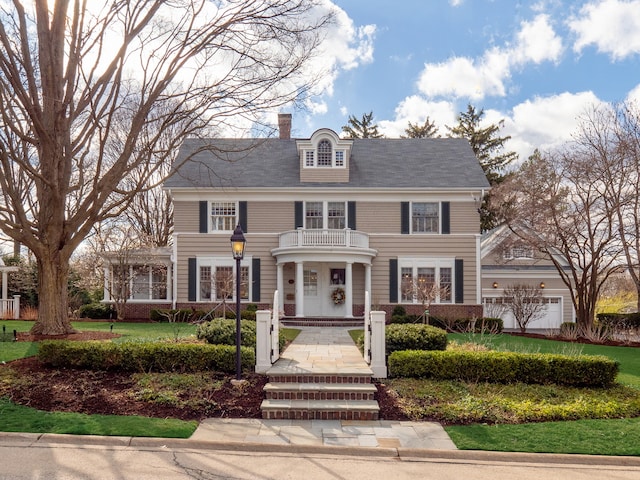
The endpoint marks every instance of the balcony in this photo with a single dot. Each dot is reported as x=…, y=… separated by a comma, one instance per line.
x=324, y=238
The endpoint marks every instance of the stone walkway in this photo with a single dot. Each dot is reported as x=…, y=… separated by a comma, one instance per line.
x=324, y=350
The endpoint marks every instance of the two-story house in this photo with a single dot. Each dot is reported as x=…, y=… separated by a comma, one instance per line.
x=326, y=219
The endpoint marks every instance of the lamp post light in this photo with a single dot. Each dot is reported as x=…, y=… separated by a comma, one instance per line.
x=237, y=248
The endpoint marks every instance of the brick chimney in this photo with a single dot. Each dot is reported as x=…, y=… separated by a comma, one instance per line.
x=284, y=125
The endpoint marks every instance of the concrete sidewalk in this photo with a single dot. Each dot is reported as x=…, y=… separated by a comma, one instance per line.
x=335, y=433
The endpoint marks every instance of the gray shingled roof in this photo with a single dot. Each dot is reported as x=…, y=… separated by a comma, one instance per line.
x=375, y=163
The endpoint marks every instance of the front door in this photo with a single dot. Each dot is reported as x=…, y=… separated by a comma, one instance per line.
x=323, y=290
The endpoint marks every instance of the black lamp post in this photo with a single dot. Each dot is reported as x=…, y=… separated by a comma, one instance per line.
x=237, y=248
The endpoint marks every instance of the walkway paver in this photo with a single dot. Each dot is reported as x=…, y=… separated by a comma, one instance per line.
x=325, y=350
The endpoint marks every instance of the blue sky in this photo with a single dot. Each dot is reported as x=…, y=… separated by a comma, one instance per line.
x=536, y=65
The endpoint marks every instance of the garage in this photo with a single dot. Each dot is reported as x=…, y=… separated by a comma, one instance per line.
x=551, y=317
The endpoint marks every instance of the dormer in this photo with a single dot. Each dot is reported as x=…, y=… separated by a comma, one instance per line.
x=324, y=157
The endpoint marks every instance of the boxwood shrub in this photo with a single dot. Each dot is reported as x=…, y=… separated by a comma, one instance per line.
x=221, y=331
x=96, y=311
x=416, y=336
x=178, y=315
x=144, y=356
x=505, y=367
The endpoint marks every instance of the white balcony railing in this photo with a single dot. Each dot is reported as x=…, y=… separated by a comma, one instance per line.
x=324, y=238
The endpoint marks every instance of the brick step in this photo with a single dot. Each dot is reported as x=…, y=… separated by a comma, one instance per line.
x=320, y=409
x=331, y=378
x=320, y=391
x=322, y=322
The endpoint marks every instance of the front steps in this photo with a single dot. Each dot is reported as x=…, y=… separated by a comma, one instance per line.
x=329, y=396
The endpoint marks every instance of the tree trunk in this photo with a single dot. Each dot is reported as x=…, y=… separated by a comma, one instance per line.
x=53, y=316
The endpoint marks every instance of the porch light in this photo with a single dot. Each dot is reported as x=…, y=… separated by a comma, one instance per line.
x=541, y=284
x=237, y=248
x=237, y=243
x=495, y=285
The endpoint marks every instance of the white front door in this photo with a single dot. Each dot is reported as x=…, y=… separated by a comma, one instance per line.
x=319, y=292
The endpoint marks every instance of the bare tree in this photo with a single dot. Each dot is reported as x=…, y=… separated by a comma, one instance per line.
x=89, y=91
x=426, y=290
x=557, y=204
x=524, y=302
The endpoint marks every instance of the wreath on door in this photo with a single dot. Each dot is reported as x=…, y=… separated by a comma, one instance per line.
x=338, y=296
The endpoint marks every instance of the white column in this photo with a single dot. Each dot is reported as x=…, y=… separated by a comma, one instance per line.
x=378, y=362
x=348, y=284
x=299, y=289
x=280, y=285
x=478, y=271
x=107, y=279
x=367, y=282
x=5, y=293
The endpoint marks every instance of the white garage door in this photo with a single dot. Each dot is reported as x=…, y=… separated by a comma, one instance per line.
x=550, y=318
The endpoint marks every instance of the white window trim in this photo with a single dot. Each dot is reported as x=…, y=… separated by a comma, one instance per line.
x=325, y=213
x=214, y=262
x=210, y=217
x=427, y=262
x=334, y=163
x=411, y=218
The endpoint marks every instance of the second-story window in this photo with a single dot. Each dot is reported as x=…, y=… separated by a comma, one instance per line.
x=329, y=215
x=223, y=216
x=325, y=153
x=424, y=217
x=339, y=158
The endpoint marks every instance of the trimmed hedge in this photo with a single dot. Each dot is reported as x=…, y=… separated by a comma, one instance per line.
x=505, y=367
x=221, y=331
x=144, y=356
x=414, y=336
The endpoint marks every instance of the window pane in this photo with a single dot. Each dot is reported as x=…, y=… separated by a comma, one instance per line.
x=224, y=283
x=324, y=153
x=426, y=280
x=244, y=283
x=406, y=286
x=223, y=216
x=311, y=282
x=140, y=282
x=340, y=159
x=424, y=218
x=205, y=283
x=159, y=282
x=313, y=215
x=120, y=282
x=308, y=159
x=445, y=284
x=336, y=215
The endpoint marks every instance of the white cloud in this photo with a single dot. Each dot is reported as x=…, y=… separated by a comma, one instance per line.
x=462, y=77
x=455, y=3
x=634, y=95
x=612, y=26
x=415, y=109
x=544, y=122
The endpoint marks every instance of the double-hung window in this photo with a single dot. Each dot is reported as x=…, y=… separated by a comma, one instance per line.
x=325, y=215
x=425, y=217
x=223, y=216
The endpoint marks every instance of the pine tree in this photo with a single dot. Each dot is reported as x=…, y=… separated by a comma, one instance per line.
x=364, y=128
x=427, y=130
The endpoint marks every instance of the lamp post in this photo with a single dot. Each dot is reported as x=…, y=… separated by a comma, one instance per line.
x=237, y=248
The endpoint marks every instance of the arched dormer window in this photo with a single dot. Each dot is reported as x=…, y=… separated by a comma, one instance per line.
x=325, y=153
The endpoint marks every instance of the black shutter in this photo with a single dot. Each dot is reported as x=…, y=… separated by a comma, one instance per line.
x=446, y=218
x=299, y=220
x=351, y=215
x=404, y=217
x=204, y=216
x=242, y=216
x=192, y=278
x=393, y=280
x=255, y=274
x=459, y=277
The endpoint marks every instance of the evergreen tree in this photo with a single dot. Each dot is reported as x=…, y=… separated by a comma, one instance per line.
x=489, y=149
x=427, y=130
x=485, y=142
x=364, y=128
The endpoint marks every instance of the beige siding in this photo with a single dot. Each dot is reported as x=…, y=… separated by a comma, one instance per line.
x=186, y=217
x=378, y=217
x=270, y=217
x=464, y=218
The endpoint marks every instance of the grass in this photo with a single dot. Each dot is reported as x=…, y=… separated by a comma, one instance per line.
x=589, y=437
x=17, y=418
